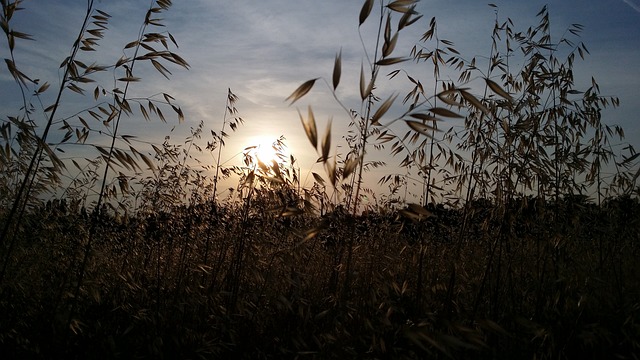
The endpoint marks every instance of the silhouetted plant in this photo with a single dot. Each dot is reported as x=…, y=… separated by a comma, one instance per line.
x=506, y=256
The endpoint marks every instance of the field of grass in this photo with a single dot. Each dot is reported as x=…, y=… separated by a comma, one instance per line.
x=529, y=281
x=506, y=256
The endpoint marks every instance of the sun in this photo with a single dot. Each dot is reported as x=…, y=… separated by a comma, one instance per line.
x=266, y=153
x=264, y=149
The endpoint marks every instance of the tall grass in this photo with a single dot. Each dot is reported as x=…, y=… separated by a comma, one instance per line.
x=520, y=246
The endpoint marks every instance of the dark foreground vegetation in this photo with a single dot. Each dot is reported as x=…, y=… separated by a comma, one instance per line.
x=533, y=280
x=524, y=244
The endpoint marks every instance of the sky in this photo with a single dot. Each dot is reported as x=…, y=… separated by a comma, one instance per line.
x=263, y=50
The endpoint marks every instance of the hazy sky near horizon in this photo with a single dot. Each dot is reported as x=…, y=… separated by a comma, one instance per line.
x=263, y=50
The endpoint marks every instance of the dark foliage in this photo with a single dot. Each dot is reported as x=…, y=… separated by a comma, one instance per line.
x=532, y=284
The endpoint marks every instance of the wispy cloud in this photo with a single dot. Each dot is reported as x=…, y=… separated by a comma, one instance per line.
x=634, y=4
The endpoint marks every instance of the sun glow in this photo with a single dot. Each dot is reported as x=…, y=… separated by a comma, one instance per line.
x=266, y=153
x=268, y=149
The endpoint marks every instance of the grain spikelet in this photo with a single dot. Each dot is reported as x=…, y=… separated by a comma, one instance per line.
x=365, y=11
x=421, y=128
x=326, y=143
x=389, y=45
x=383, y=109
x=42, y=88
x=498, y=90
x=363, y=92
x=391, y=61
x=148, y=162
x=301, y=91
x=406, y=20
x=129, y=79
x=474, y=101
x=331, y=171
x=448, y=98
x=445, y=112
x=337, y=70
x=350, y=166
x=419, y=210
x=318, y=178
x=424, y=117
x=310, y=128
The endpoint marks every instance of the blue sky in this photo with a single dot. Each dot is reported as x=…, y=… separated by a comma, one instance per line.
x=263, y=50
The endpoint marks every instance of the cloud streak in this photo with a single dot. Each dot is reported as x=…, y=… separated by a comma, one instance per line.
x=634, y=4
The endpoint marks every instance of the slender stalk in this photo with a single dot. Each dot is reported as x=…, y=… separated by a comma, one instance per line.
x=29, y=176
x=231, y=100
x=101, y=195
